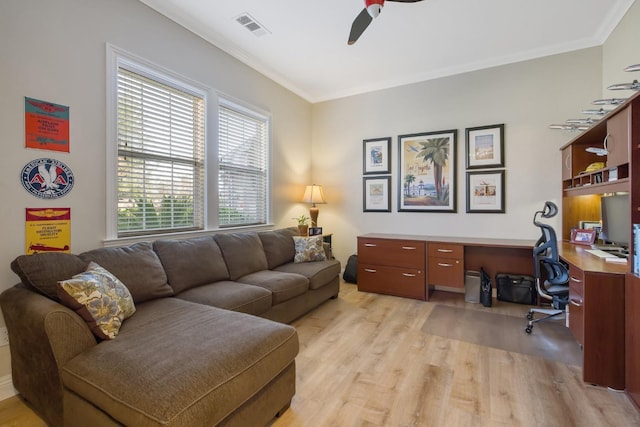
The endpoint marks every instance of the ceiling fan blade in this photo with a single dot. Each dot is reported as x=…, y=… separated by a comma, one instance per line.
x=360, y=24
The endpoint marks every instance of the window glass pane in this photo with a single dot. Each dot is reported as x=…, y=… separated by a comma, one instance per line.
x=242, y=177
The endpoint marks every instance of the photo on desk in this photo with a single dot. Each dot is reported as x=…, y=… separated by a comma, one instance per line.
x=581, y=236
x=315, y=231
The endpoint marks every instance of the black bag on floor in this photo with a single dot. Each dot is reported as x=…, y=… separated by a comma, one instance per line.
x=485, y=288
x=516, y=288
x=350, y=274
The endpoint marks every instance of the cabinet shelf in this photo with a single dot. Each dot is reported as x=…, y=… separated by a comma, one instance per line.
x=599, y=188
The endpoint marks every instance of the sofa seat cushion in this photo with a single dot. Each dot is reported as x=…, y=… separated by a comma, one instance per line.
x=319, y=273
x=176, y=363
x=191, y=262
x=231, y=296
x=283, y=286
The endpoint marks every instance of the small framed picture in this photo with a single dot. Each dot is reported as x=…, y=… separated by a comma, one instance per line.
x=376, y=156
x=376, y=194
x=315, y=231
x=485, y=192
x=485, y=147
x=581, y=236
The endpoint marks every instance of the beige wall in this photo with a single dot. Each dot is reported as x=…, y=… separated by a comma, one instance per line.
x=526, y=97
x=55, y=51
x=621, y=50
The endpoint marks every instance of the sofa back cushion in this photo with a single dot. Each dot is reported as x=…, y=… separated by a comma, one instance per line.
x=191, y=262
x=137, y=266
x=41, y=272
x=278, y=246
x=243, y=253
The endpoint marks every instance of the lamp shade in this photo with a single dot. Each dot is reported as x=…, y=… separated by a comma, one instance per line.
x=314, y=194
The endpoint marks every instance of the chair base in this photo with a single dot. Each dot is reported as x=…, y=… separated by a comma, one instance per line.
x=549, y=312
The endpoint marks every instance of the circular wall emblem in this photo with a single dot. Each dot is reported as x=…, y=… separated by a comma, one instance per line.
x=47, y=178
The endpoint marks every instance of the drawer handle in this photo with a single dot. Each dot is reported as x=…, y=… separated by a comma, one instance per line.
x=409, y=248
x=369, y=270
x=444, y=265
x=577, y=304
x=446, y=251
x=408, y=275
x=573, y=279
x=370, y=245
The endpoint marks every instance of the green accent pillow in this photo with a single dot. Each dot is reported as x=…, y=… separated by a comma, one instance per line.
x=102, y=300
x=308, y=249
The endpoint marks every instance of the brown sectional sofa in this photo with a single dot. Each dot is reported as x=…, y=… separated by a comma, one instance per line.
x=202, y=348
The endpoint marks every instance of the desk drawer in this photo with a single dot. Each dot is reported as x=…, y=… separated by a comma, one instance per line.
x=392, y=252
x=446, y=272
x=402, y=282
x=576, y=303
x=446, y=250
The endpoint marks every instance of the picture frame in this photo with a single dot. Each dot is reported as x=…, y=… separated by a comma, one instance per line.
x=427, y=164
x=376, y=156
x=376, y=194
x=485, y=147
x=485, y=192
x=315, y=231
x=583, y=236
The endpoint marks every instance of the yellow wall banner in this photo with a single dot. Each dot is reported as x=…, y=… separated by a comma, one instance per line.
x=48, y=230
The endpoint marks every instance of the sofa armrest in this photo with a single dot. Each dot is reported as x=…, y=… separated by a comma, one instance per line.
x=43, y=336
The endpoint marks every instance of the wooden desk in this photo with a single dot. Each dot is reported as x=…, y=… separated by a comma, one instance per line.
x=596, y=314
x=411, y=265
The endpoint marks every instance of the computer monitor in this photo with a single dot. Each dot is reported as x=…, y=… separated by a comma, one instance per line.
x=615, y=213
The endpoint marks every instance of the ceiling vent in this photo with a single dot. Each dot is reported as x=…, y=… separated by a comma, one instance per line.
x=252, y=25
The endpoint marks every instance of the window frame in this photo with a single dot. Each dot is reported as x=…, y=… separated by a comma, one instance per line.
x=255, y=113
x=213, y=99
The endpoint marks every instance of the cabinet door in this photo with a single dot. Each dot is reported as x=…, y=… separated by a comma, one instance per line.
x=576, y=303
x=566, y=163
x=392, y=252
x=446, y=272
x=402, y=282
x=618, y=131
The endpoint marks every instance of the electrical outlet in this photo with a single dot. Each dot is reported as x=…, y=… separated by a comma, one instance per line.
x=4, y=336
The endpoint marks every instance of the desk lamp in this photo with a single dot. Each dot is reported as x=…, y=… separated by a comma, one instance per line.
x=314, y=194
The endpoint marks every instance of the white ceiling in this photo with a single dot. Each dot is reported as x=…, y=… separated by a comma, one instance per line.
x=306, y=48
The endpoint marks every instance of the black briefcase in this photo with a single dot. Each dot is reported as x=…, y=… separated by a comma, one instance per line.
x=516, y=288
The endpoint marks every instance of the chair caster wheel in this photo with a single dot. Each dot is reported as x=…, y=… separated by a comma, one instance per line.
x=529, y=316
x=528, y=329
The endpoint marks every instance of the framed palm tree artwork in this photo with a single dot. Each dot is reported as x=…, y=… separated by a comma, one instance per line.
x=427, y=165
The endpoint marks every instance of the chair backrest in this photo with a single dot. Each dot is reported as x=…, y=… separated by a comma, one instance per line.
x=545, y=252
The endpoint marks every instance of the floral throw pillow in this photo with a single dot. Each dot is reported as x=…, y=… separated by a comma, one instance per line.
x=102, y=300
x=308, y=249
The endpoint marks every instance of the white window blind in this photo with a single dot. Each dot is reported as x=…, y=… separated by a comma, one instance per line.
x=161, y=138
x=242, y=168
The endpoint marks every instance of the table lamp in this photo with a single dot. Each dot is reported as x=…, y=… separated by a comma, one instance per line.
x=313, y=194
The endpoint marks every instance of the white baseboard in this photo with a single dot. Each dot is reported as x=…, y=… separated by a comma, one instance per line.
x=6, y=387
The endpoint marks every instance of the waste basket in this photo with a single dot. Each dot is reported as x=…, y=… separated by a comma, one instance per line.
x=472, y=286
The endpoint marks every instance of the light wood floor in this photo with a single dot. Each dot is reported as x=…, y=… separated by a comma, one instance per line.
x=364, y=361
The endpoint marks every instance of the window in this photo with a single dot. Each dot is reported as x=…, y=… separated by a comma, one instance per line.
x=165, y=172
x=160, y=153
x=242, y=166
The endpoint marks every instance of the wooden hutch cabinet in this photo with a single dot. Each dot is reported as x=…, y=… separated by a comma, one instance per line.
x=604, y=299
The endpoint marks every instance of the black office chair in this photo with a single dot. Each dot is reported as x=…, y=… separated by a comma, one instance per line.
x=554, y=287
